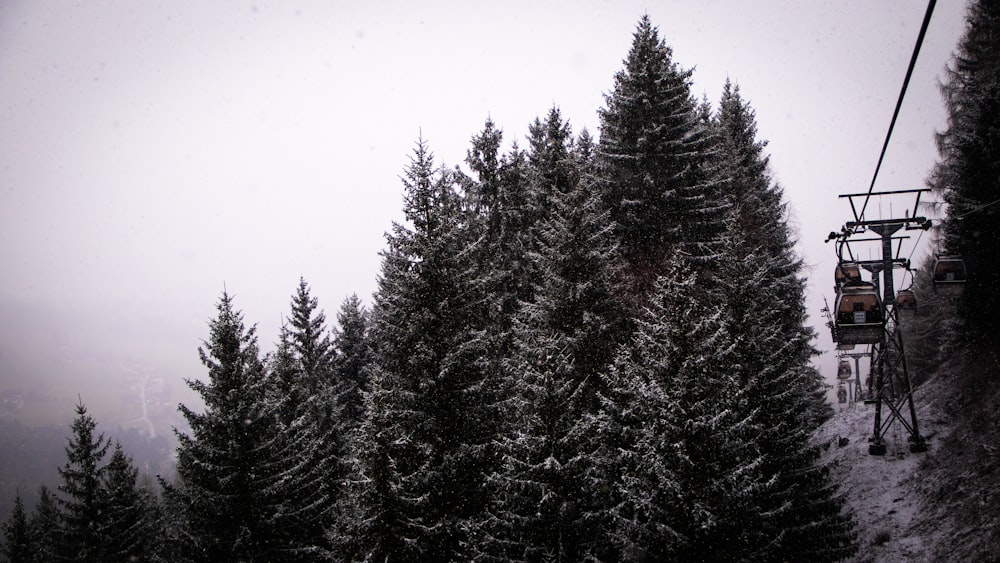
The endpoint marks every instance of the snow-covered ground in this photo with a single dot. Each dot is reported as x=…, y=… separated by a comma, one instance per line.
x=940, y=505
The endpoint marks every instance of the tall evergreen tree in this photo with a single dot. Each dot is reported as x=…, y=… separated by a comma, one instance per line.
x=562, y=339
x=755, y=200
x=656, y=166
x=82, y=502
x=758, y=224
x=680, y=449
x=44, y=527
x=129, y=531
x=762, y=288
x=429, y=394
x=968, y=172
x=498, y=195
x=313, y=484
x=353, y=356
x=225, y=493
x=801, y=513
x=501, y=273
x=551, y=168
x=311, y=341
x=17, y=546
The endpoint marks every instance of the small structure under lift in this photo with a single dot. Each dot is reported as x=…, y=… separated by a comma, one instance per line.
x=949, y=275
x=858, y=315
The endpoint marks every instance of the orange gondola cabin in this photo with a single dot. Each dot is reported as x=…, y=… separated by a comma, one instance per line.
x=906, y=301
x=844, y=370
x=847, y=273
x=859, y=315
x=949, y=275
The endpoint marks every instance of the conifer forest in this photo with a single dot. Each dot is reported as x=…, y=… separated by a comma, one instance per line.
x=591, y=346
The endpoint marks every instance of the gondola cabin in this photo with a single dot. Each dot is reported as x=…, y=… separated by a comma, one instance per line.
x=949, y=275
x=906, y=302
x=844, y=346
x=841, y=394
x=844, y=370
x=847, y=273
x=859, y=315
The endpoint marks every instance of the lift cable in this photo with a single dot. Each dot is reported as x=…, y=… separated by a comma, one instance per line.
x=967, y=213
x=902, y=93
x=977, y=209
x=910, y=257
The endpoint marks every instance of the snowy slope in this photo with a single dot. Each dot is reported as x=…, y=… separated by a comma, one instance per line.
x=941, y=505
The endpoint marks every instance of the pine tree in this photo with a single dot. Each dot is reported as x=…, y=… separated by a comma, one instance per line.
x=763, y=291
x=801, y=512
x=759, y=217
x=430, y=424
x=499, y=198
x=551, y=166
x=17, y=546
x=83, y=502
x=678, y=448
x=44, y=527
x=227, y=466
x=561, y=341
x=318, y=436
x=311, y=341
x=968, y=172
x=655, y=166
x=353, y=356
x=755, y=200
x=383, y=515
x=129, y=529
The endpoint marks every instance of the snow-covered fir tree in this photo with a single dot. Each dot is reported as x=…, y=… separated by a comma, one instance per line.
x=353, y=356
x=967, y=174
x=544, y=503
x=759, y=212
x=761, y=284
x=424, y=447
x=16, y=546
x=82, y=503
x=656, y=168
x=129, y=528
x=230, y=467
x=800, y=512
x=44, y=527
x=678, y=448
x=317, y=434
x=498, y=195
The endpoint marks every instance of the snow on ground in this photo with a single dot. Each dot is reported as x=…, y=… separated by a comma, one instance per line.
x=940, y=505
x=883, y=491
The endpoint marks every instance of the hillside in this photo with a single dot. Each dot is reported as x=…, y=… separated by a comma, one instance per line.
x=941, y=505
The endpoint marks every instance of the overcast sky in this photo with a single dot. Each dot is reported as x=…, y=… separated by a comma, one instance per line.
x=151, y=153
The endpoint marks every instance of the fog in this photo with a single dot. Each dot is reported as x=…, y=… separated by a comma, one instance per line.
x=152, y=154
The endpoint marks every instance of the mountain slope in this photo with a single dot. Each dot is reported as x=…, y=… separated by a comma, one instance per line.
x=941, y=505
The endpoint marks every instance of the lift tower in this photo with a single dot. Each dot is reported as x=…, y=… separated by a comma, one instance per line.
x=892, y=390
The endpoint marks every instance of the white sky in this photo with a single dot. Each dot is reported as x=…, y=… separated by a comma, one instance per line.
x=152, y=152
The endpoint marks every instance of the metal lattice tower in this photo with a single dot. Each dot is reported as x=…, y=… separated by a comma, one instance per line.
x=892, y=391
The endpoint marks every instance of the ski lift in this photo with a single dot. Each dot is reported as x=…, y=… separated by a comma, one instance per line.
x=847, y=273
x=859, y=315
x=949, y=275
x=844, y=346
x=841, y=394
x=844, y=370
x=906, y=301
